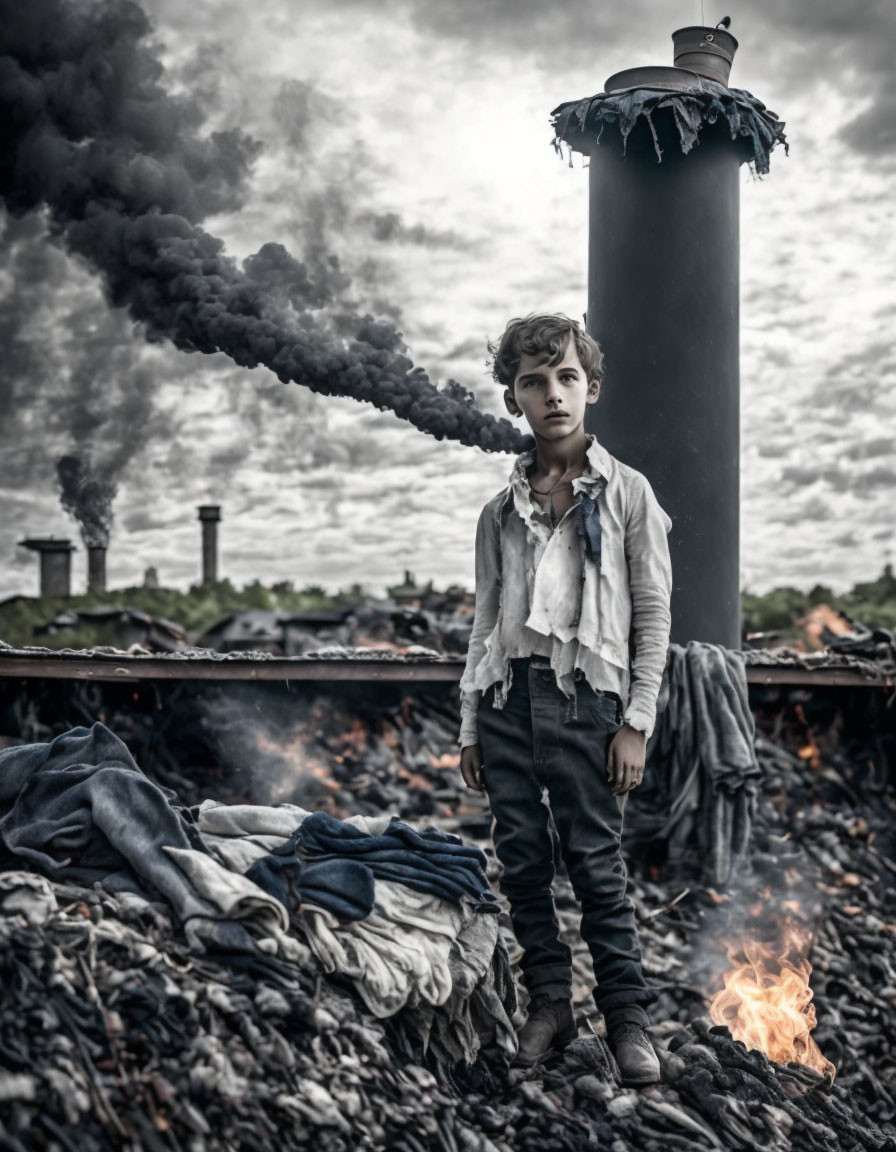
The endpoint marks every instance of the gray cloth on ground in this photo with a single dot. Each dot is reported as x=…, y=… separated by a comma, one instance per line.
x=702, y=769
x=79, y=808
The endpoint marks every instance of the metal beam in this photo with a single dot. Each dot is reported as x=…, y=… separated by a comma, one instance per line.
x=283, y=669
x=126, y=669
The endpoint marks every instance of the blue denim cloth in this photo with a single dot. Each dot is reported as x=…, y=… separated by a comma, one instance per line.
x=344, y=887
x=529, y=745
x=430, y=861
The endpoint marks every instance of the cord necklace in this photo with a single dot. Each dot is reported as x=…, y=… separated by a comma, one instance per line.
x=552, y=515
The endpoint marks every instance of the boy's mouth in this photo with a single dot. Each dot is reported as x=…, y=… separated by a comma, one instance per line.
x=557, y=416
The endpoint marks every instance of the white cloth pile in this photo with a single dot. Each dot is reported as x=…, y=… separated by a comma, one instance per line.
x=415, y=951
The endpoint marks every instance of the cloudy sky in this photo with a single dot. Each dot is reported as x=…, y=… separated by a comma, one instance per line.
x=411, y=140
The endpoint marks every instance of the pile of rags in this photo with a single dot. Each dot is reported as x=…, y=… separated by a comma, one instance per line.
x=408, y=916
x=701, y=777
x=409, y=919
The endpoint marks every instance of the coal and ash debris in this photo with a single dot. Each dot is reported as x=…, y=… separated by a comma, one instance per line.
x=113, y=1035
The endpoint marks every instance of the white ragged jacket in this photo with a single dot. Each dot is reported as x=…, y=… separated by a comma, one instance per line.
x=551, y=592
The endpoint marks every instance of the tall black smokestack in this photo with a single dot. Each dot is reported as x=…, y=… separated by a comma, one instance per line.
x=210, y=515
x=665, y=146
x=96, y=568
x=88, y=131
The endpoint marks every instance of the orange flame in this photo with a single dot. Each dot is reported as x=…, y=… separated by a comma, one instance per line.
x=810, y=750
x=767, y=1002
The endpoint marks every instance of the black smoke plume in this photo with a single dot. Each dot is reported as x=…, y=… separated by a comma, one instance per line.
x=126, y=176
x=87, y=493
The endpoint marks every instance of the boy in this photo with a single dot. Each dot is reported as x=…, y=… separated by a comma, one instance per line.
x=572, y=563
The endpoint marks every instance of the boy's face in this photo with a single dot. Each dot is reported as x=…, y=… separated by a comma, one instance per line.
x=553, y=398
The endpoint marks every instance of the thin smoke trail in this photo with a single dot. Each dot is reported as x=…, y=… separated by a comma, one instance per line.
x=90, y=134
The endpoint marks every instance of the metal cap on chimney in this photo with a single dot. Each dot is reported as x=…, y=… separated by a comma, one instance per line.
x=707, y=51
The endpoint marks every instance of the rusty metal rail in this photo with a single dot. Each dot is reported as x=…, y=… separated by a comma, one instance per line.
x=282, y=669
x=125, y=669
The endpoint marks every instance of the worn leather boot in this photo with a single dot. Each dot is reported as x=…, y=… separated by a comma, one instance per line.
x=550, y=1026
x=637, y=1061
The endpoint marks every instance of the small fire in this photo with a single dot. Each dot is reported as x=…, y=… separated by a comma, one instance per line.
x=300, y=762
x=810, y=750
x=767, y=1002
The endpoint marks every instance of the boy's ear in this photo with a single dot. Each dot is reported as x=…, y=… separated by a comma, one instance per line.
x=593, y=391
x=510, y=403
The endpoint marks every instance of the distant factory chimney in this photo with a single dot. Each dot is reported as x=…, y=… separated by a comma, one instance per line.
x=209, y=515
x=55, y=565
x=96, y=568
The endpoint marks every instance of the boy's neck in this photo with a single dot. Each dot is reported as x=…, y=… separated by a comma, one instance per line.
x=560, y=455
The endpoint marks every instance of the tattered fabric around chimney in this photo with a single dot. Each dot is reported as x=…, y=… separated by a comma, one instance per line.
x=580, y=123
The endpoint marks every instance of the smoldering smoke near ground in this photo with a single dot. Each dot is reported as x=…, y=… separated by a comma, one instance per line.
x=126, y=177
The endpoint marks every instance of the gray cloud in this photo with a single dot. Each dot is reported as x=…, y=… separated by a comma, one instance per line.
x=876, y=446
x=147, y=519
x=877, y=477
x=850, y=45
x=815, y=508
x=296, y=106
x=773, y=450
x=388, y=227
x=72, y=378
x=794, y=45
x=527, y=28
x=805, y=474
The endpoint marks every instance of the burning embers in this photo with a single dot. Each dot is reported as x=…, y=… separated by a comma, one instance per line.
x=766, y=1002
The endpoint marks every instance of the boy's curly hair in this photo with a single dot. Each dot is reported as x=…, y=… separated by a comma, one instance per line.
x=543, y=334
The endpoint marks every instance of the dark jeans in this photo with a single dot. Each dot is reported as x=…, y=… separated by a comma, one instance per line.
x=529, y=745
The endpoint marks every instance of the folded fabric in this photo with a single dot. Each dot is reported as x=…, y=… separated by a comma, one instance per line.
x=214, y=818
x=234, y=897
x=431, y=861
x=441, y=962
x=396, y=957
x=343, y=887
x=240, y=834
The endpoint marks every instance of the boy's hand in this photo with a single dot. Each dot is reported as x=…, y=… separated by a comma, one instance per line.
x=471, y=767
x=625, y=760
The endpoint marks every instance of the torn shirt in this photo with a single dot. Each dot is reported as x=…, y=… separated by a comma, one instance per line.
x=583, y=594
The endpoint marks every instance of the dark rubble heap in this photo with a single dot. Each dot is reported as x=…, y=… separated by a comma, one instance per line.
x=114, y=1035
